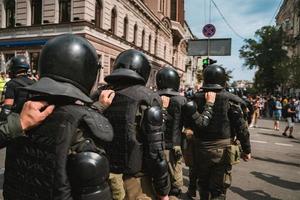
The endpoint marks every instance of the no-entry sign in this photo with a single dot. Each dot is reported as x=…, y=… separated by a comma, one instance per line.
x=209, y=30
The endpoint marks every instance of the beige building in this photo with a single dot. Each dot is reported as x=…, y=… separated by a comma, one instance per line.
x=288, y=18
x=155, y=27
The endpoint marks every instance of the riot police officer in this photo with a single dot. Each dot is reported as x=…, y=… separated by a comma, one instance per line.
x=137, y=148
x=168, y=81
x=63, y=157
x=14, y=97
x=212, y=164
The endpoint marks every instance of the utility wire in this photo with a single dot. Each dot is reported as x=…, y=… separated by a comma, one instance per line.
x=227, y=23
x=277, y=9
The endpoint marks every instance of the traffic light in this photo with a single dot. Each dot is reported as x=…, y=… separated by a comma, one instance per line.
x=207, y=61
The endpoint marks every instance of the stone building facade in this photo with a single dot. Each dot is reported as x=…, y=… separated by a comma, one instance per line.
x=288, y=18
x=155, y=27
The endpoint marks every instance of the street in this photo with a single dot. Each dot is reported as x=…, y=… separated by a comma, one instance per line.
x=272, y=174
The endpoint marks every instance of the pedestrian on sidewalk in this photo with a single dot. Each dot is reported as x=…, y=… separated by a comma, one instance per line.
x=256, y=112
x=290, y=117
x=277, y=112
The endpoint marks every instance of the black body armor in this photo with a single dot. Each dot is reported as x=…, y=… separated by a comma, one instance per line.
x=126, y=150
x=174, y=122
x=57, y=155
x=219, y=125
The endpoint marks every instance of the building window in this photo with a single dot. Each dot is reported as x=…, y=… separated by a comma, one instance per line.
x=113, y=20
x=36, y=11
x=10, y=13
x=165, y=52
x=143, y=39
x=98, y=79
x=135, y=28
x=98, y=14
x=125, y=28
x=64, y=10
x=174, y=10
x=34, y=59
x=149, y=43
x=162, y=6
x=112, y=60
x=155, y=46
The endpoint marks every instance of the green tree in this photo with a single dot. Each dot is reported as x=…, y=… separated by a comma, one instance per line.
x=265, y=54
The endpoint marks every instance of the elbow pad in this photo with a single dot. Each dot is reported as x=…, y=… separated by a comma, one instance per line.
x=156, y=165
x=189, y=109
x=5, y=111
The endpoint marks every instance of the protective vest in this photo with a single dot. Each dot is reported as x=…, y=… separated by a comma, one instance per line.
x=21, y=95
x=36, y=166
x=219, y=126
x=174, y=122
x=125, y=152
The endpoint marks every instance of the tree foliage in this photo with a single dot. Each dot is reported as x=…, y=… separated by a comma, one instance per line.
x=265, y=54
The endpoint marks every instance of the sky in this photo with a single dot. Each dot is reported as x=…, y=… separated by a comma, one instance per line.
x=245, y=16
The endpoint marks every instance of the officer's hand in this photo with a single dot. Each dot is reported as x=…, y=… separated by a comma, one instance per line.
x=210, y=97
x=246, y=157
x=106, y=97
x=33, y=113
x=165, y=101
x=188, y=133
x=164, y=197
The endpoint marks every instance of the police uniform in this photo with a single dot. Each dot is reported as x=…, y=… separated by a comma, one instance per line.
x=212, y=166
x=18, y=68
x=136, y=152
x=63, y=157
x=168, y=81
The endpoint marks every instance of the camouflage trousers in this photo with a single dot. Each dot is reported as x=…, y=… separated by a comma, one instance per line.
x=174, y=160
x=131, y=188
x=213, y=173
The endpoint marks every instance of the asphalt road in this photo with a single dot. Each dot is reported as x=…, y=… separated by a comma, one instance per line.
x=272, y=174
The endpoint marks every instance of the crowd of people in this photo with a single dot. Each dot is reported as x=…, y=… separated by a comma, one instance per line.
x=279, y=108
x=124, y=140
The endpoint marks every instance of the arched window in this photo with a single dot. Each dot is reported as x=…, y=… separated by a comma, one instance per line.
x=98, y=14
x=135, y=28
x=125, y=28
x=36, y=11
x=113, y=23
x=149, y=42
x=10, y=13
x=143, y=39
x=64, y=10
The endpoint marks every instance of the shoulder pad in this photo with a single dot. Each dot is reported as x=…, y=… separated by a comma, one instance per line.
x=99, y=125
x=234, y=98
x=96, y=122
x=154, y=115
x=189, y=108
x=181, y=100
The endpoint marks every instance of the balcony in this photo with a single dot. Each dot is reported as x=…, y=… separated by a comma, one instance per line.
x=177, y=31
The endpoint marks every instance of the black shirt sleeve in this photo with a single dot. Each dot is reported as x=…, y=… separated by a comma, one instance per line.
x=239, y=127
x=10, y=90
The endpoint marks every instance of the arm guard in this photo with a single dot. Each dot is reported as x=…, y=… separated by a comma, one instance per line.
x=155, y=163
x=200, y=120
x=240, y=127
x=5, y=111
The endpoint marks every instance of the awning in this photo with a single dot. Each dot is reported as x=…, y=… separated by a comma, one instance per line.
x=23, y=43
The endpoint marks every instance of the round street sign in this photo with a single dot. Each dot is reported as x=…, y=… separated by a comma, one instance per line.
x=209, y=30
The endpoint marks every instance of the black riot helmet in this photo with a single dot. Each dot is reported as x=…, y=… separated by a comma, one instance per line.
x=130, y=65
x=18, y=64
x=167, y=81
x=214, y=78
x=71, y=59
